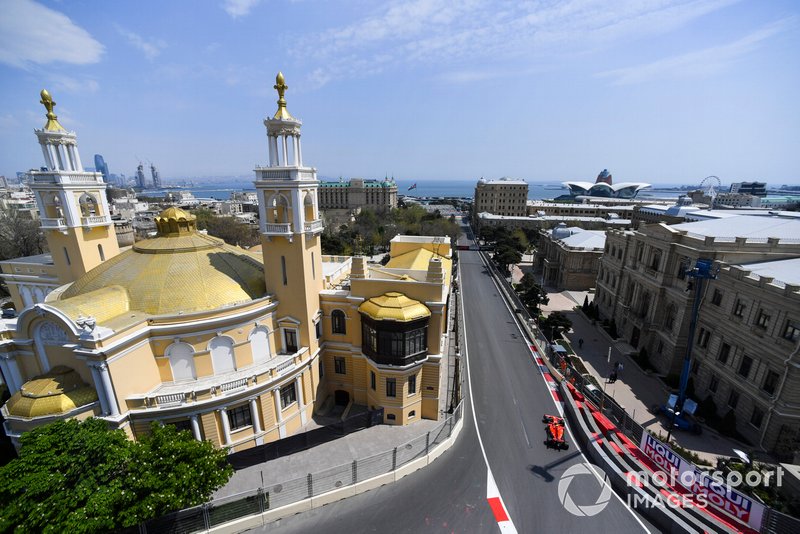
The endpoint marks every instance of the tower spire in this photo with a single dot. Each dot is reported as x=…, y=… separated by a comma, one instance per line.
x=281, y=87
x=52, y=119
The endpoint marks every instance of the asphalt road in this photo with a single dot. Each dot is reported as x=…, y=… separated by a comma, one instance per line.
x=510, y=397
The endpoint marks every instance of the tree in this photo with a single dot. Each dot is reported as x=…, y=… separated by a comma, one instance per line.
x=507, y=256
x=532, y=294
x=76, y=476
x=19, y=236
x=556, y=323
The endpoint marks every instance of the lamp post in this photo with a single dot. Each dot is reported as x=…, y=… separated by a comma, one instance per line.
x=702, y=271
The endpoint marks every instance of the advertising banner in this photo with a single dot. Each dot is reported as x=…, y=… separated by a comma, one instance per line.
x=699, y=483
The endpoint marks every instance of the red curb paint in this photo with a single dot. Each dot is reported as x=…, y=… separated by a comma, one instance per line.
x=497, y=508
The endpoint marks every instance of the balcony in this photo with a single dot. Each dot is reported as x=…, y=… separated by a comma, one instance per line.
x=61, y=177
x=313, y=227
x=211, y=388
x=277, y=229
x=95, y=220
x=53, y=224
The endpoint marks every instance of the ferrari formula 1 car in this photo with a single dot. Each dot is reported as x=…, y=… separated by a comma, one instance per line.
x=555, y=432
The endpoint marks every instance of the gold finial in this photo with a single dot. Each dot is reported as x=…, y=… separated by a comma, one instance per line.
x=281, y=87
x=52, y=120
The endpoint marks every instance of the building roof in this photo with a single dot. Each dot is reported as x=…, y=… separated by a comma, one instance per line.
x=56, y=392
x=786, y=271
x=394, y=306
x=180, y=272
x=502, y=181
x=586, y=240
x=751, y=226
x=418, y=260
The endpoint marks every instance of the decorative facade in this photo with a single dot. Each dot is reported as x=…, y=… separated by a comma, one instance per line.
x=501, y=197
x=237, y=347
x=641, y=282
x=746, y=351
x=568, y=258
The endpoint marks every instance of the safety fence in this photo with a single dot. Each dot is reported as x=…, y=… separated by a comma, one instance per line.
x=260, y=500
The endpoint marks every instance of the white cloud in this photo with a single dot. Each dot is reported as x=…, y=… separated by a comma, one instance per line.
x=453, y=34
x=31, y=33
x=151, y=48
x=239, y=8
x=698, y=63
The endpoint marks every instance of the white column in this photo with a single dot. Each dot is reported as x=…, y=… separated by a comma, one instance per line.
x=100, y=387
x=285, y=151
x=226, y=426
x=77, y=158
x=254, y=416
x=195, y=427
x=62, y=156
x=109, y=387
x=276, y=153
x=271, y=151
x=297, y=210
x=299, y=152
x=262, y=210
x=276, y=395
x=298, y=386
x=47, y=160
x=54, y=157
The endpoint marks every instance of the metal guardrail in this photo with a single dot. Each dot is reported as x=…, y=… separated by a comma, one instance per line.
x=259, y=500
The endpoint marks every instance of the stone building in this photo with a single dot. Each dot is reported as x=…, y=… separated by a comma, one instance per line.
x=746, y=351
x=239, y=348
x=568, y=258
x=505, y=196
x=358, y=193
x=641, y=281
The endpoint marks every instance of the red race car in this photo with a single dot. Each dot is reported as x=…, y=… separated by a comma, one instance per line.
x=555, y=432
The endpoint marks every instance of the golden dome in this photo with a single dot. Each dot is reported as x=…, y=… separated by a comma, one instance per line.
x=281, y=87
x=180, y=271
x=59, y=391
x=174, y=221
x=394, y=306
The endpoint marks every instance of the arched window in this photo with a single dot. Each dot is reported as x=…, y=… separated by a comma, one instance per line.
x=181, y=360
x=222, y=359
x=88, y=205
x=338, y=319
x=259, y=344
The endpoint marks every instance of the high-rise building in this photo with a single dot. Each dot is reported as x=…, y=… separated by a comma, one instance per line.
x=156, y=177
x=101, y=166
x=757, y=189
x=140, y=181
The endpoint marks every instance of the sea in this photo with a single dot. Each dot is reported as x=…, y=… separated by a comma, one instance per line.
x=417, y=188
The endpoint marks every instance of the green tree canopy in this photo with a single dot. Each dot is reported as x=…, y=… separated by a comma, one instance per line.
x=556, y=323
x=76, y=476
x=532, y=294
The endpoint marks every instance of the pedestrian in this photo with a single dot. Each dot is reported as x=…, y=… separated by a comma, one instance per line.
x=580, y=343
x=612, y=377
x=619, y=368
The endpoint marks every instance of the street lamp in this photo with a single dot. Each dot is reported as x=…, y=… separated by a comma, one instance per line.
x=702, y=271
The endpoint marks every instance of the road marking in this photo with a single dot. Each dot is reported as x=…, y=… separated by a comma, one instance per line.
x=492, y=492
x=558, y=402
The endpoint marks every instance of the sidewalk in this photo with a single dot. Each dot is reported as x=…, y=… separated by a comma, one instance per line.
x=635, y=390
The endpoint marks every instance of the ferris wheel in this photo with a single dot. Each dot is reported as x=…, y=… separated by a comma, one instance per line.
x=710, y=185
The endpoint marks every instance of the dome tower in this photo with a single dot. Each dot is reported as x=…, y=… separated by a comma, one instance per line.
x=72, y=202
x=290, y=228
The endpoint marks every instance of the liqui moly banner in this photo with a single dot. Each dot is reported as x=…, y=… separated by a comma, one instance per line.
x=708, y=489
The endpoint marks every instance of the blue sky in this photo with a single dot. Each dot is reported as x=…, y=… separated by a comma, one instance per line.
x=662, y=91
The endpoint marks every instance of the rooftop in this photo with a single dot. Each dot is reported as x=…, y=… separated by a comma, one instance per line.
x=786, y=271
x=750, y=226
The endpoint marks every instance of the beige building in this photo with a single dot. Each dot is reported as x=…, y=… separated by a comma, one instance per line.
x=538, y=208
x=546, y=222
x=358, y=193
x=239, y=348
x=641, y=282
x=501, y=197
x=746, y=351
x=568, y=258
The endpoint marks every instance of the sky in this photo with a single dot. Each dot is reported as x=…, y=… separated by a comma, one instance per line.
x=659, y=91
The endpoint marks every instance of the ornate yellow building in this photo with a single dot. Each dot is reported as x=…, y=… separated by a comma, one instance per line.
x=239, y=348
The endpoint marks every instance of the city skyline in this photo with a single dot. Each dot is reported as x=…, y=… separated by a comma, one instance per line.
x=666, y=93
